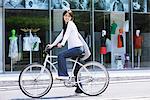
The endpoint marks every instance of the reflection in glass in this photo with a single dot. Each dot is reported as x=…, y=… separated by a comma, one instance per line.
x=60, y=4
x=29, y=4
x=139, y=6
x=102, y=5
x=70, y=4
x=14, y=3
x=148, y=4
x=79, y=4
x=36, y=4
x=119, y=5
x=1, y=3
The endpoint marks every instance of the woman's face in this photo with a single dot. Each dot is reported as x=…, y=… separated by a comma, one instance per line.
x=67, y=17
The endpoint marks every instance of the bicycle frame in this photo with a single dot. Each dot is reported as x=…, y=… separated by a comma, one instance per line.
x=53, y=63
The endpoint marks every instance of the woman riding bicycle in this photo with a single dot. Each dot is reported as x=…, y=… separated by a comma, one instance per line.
x=76, y=46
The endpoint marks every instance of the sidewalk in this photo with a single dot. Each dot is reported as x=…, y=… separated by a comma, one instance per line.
x=11, y=79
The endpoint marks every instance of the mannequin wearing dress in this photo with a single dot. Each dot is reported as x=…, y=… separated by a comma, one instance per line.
x=120, y=39
x=103, y=49
x=13, y=47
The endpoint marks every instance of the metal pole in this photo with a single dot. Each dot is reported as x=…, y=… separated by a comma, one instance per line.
x=93, y=37
x=131, y=27
x=30, y=50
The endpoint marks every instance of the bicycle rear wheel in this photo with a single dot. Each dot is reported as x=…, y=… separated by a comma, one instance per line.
x=93, y=78
x=35, y=81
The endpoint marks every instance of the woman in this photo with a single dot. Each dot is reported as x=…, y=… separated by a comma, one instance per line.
x=76, y=46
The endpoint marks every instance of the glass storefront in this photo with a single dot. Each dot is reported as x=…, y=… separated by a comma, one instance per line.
x=109, y=27
x=22, y=28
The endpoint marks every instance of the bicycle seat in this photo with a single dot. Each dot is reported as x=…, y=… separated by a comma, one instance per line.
x=80, y=56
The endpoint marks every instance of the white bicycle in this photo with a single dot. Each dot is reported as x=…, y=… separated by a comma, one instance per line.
x=36, y=80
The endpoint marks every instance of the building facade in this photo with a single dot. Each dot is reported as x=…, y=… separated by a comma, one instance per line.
x=26, y=26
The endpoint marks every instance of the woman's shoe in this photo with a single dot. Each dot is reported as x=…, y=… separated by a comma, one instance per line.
x=78, y=90
x=62, y=77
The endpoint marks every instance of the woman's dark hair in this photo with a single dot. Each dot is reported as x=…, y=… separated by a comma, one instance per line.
x=64, y=24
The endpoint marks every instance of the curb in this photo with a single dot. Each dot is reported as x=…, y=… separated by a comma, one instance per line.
x=12, y=79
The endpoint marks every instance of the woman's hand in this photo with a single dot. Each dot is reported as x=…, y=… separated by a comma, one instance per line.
x=49, y=46
x=59, y=45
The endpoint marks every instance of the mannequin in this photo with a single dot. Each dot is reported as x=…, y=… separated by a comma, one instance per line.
x=113, y=27
x=13, y=47
x=138, y=40
x=103, y=49
x=120, y=39
x=37, y=40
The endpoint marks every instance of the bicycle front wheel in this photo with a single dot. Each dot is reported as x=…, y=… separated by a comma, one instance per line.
x=35, y=81
x=93, y=78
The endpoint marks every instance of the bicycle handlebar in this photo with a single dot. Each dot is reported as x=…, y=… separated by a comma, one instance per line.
x=47, y=50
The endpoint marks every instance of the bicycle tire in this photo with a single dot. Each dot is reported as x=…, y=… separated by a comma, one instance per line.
x=33, y=83
x=93, y=78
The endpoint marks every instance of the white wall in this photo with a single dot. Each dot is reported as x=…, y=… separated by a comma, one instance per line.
x=119, y=19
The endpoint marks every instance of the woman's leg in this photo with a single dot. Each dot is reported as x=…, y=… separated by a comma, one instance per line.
x=62, y=69
x=78, y=90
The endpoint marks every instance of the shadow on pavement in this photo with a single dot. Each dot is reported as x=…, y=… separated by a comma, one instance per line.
x=53, y=98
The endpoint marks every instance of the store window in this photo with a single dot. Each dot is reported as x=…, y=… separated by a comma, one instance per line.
x=102, y=23
x=110, y=32
x=141, y=34
x=26, y=34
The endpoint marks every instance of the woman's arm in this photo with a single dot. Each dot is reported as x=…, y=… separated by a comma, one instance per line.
x=58, y=39
x=67, y=33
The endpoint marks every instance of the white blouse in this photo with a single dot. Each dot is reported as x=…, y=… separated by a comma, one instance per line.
x=70, y=36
